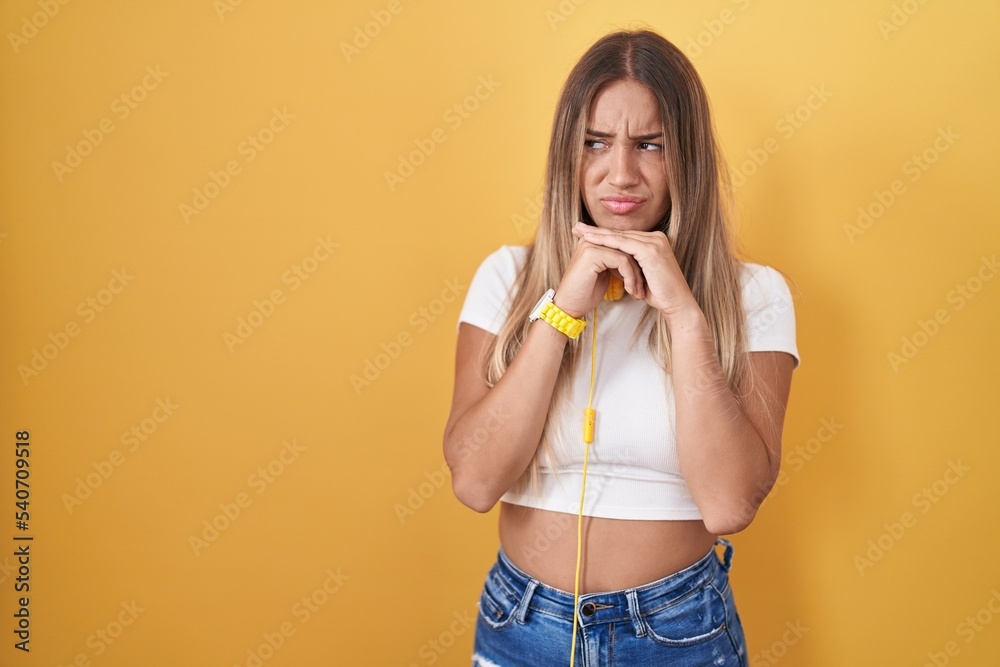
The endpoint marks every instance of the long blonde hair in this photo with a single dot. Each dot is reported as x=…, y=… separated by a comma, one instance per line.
x=696, y=225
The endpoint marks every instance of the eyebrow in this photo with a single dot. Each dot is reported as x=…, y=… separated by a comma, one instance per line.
x=641, y=137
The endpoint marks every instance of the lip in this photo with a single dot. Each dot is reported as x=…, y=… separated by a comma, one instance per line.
x=622, y=204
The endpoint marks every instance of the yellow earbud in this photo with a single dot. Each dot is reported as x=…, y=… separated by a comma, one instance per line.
x=616, y=289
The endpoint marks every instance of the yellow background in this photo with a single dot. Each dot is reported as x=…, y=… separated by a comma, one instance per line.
x=863, y=437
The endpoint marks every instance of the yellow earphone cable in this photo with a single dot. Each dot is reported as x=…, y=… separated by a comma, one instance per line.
x=615, y=291
x=588, y=437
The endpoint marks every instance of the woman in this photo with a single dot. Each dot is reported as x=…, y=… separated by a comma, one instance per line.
x=687, y=438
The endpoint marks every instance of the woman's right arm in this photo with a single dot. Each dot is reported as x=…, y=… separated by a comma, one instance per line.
x=492, y=433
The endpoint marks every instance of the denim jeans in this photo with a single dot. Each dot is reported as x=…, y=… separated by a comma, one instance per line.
x=685, y=619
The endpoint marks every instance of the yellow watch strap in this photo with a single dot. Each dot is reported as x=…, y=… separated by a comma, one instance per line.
x=558, y=318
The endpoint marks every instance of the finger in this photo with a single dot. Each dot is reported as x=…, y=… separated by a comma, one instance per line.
x=601, y=231
x=627, y=241
x=611, y=261
x=625, y=267
x=649, y=254
x=631, y=274
x=638, y=244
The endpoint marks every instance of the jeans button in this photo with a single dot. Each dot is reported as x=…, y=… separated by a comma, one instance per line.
x=588, y=609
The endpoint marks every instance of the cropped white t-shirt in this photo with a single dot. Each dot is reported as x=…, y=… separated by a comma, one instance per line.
x=633, y=471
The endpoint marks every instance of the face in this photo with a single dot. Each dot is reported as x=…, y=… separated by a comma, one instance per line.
x=623, y=179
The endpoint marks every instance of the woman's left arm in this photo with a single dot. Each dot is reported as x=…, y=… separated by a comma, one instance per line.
x=729, y=455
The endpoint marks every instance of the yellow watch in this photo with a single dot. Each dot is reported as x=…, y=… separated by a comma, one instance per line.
x=546, y=310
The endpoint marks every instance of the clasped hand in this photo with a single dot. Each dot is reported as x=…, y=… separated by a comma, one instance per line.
x=643, y=260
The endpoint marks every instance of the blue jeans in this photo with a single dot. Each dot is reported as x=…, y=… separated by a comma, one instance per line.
x=686, y=619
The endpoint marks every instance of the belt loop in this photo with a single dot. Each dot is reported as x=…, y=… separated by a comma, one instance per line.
x=633, y=611
x=727, y=557
x=522, y=606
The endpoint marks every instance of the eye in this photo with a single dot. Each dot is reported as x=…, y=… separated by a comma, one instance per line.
x=648, y=146
x=593, y=144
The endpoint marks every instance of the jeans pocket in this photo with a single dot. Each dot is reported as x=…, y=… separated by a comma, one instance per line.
x=696, y=617
x=498, y=601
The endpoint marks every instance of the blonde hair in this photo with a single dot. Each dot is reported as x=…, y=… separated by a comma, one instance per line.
x=696, y=224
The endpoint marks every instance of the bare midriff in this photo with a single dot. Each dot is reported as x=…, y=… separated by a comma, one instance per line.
x=617, y=553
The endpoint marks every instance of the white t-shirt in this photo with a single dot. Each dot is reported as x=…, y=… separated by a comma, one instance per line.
x=633, y=471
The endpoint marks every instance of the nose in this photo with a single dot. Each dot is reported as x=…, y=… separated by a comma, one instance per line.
x=623, y=170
